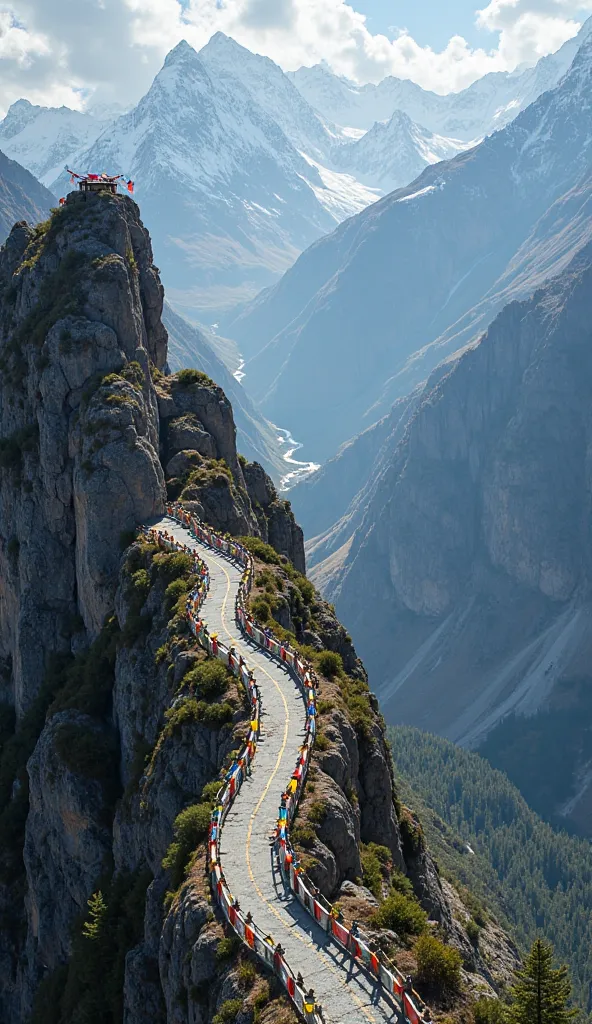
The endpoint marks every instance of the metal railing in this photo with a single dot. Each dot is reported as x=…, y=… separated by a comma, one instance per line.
x=352, y=940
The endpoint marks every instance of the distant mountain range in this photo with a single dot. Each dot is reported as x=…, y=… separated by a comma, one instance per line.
x=239, y=167
x=485, y=106
x=368, y=311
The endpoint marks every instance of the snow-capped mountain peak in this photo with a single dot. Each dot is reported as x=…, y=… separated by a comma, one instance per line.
x=395, y=151
x=180, y=53
x=273, y=91
x=44, y=139
x=18, y=117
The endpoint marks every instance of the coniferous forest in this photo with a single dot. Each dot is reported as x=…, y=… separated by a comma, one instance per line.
x=536, y=880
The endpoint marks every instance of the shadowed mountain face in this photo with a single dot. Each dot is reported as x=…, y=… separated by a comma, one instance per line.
x=22, y=197
x=360, y=307
x=467, y=581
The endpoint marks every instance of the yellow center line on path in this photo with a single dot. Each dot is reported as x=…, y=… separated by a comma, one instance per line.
x=305, y=942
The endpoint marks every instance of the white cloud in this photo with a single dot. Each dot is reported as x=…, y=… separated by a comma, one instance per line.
x=531, y=28
x=68, y=50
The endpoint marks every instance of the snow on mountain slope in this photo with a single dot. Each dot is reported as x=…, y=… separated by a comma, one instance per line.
x=44, y=139
x=273, y=91
x=395, y=152
x=229, y=199
x=360, y=106
x=364, y=306
x=488, y=104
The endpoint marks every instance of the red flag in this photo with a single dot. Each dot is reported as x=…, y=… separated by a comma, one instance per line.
x=130, y=186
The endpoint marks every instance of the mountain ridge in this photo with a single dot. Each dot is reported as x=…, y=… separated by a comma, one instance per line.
x=457, y=227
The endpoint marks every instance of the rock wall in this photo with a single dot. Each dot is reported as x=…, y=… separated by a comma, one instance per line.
x=467, y=584
x=79, y=461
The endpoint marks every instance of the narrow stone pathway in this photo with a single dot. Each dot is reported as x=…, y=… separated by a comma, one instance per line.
x=347, y=993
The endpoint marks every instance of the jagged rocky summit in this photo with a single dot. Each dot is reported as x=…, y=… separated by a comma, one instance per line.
x=83, y=421
x=107, y=753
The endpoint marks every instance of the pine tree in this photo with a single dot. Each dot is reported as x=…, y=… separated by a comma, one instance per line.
x=541, y=992
x=97, y=912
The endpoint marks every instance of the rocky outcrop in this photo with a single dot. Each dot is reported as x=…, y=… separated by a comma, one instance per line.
x=198, y=449
x=79, y=444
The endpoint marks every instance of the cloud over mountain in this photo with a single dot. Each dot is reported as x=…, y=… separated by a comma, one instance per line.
x=62, y=53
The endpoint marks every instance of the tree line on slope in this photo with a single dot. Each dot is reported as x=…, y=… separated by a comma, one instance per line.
x=536, y=881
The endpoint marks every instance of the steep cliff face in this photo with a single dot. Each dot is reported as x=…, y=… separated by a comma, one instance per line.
x=79, y=442
x=474, y=552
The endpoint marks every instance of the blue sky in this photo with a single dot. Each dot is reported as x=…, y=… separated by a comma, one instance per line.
x=430, y=22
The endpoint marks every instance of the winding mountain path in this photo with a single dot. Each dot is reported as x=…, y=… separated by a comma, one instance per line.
x=345, y=990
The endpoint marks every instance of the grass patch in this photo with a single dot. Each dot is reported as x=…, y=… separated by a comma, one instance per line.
x=228, y=1012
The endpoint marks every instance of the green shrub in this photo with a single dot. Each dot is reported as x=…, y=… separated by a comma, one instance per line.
x=489, y=1011
x=376, y=862
x=322, y=742
x=401, y=883
x=210, y=791
x=261, y=550
x=411, y=833
x=371, y=872
x=438, y=965
x=261, y=609
x=401, y=914
x=215, y=715
x=330, y=664
x=184, y=712
x=190, y=828
x=209, y=679
x=139, y=586
x=227, y=947
x=228, y=1012
x=172, y=565
x=187, y=378
x=317, y=811
x=473, y=931
x=306, y=588
x=176, y=594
